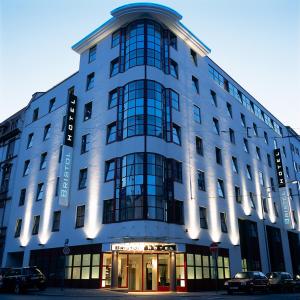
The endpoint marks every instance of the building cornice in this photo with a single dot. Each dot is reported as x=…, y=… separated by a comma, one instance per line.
x=131, y=12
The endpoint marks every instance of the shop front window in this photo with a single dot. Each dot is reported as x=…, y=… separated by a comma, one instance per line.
x=106, y=269
x=180, y=271
x=122, y=271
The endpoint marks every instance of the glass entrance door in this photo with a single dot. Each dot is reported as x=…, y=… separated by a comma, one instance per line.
x=134, y=272
x=150, y=272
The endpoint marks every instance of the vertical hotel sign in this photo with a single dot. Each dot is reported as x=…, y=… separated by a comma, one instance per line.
x=67, y=152
x=285, y=204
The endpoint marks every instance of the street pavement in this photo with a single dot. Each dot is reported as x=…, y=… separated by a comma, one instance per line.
x=84, y=294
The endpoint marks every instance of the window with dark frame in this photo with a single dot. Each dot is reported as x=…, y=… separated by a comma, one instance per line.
x=110, y=170
x=40, y=192
x=255, y=130
x=258, y=155
x=108, y=211
x=51, y=105
x=173, y=69
x=216, y=126
x=243, y=120
x=218, y=155
x=43, y=161
x=56, y=221
x=265, y=206
x=90, y=80
x=203, y=217
x=80, y=214
x=114, y=67
x=199, y=146
x=22, y=197
x=111, y=133
x=175, y=100
x=29, y=140
x=249, y=172
x=85, y=143
x=214, y=98
x=251, y=197
x=229, y=109
x=201, y=180
x=223, y=222
x=26, y=167
x=194, y=57
x=231, y=135
x=18, y=228
x=92, y=53
x=237, y=193
x=82, y=178
x=176, y=132
x=234, y=164
x=47, y=130
x=36, y=225
x=195, y=82
x=197, y=114
x=220, y=188
x=266, y=138
x=113, y=98
x=88, y=108
x=246, y=145
x=35, y=115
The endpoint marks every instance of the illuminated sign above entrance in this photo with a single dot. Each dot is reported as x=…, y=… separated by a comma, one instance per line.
x=143, y=247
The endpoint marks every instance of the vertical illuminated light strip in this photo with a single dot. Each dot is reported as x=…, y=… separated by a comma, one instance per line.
x=257, y=190
x=31, y=192
x=233, y=228
x=50, y=185
x=270, y=199
x=94, y=211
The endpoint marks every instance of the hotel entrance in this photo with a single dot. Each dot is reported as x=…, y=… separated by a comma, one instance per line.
x=144, y=272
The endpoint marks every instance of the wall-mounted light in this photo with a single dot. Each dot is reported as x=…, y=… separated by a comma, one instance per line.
x=89, y=238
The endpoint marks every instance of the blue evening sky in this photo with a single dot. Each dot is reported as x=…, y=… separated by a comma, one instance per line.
x=257, y=42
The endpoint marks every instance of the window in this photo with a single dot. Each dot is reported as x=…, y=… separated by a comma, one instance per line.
x=266, y=138
x=220, y=185
x=231, y=136
x=258, y=156
x=195, y=84
x=269, y=160
x=22, y=197
x=264, y=204
x=40, y=192
x=246, y=145
x=173, y=40
x=229, y=109
x=56, y=186
x=176, y=134
x=108, y=211
x=85, y=143
x=287, y=172
x=199, y=146
x=194, y=57
x=29, y=140
x=92, y=53
x=174, y=69
x=90, y=80
x=51, y=105
x=18, y=227
x=35, y=115
x=10, y=149
x=109, y=170
x=283, y=150
x=294, y=217
x=243, y=120
x=237, y=193
x=47, y=130
x=82, y=178
x=114, y=67
x=216, y=127
x=111, y=133
x=203, y=217
x=249, y=173
x=234, y=164
x=223, y=222
x=197, y=114
x=214, y=98
x=56, y=220
x=255, y=129
x=115, y=41
x=218, y=156
x=36, y=225
x=175, y=100
x=88, y=108
x=64, y=123
x=43, y=162
x=252, y=203
x=272, y=184
x=201, y=180
x=26, y=167
x=261, y=178
x=60, y=153
x=80, y=212
x=113, y=98
x=176, y=171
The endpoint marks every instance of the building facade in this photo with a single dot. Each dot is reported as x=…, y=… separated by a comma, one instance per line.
x=142, y=159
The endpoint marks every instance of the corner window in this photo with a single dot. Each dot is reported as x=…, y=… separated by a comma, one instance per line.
x=199, y=146
x=85, y=143
x=36, y=225
x=80, y=213
x=111, y=133
x=220, y=186
x=43, y=162
x=47, y=130
x=176, y=134
x=114, y=67
x=92, y=53
x=82, y=178
x=109, y=170
x=174, y=69
x=51, y=105
x=56, y=220
x=40, y=192
x=195, y=84
x=194, y=57
x=88, y=108
x=201, y=180
x=90, y=81
x=223, y=222
x=35, y=115
x=197, y=114
x=203, y=218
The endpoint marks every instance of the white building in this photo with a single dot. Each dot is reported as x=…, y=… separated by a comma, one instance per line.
x=143, y=158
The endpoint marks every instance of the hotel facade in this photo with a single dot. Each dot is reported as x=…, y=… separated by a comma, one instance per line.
x=132, y=171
